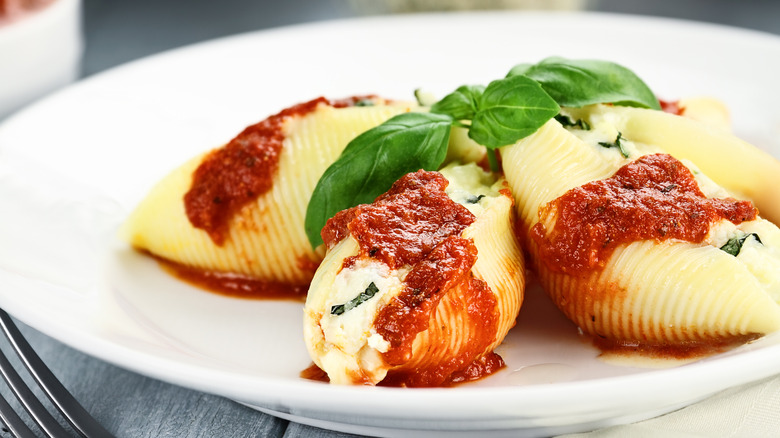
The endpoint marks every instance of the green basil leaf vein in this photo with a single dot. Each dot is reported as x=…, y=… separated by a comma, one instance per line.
x=373, y=161
x=510, y=109
x=581, y=82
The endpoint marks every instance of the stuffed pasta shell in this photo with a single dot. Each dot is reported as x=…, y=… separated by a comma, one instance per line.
x=731, y=162
x=239, y=210
x=418, y=288
x=637, y=247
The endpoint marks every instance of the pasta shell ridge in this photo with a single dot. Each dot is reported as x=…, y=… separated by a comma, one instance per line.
x=452, y=326
x=543, y=166
x=648, y=292
x=731, y=162
x=665, y=293
x=266, y=239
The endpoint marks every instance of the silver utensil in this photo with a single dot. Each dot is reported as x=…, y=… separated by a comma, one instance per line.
x=81, y=421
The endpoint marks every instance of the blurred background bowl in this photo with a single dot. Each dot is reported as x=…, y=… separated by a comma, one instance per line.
x=40, y=50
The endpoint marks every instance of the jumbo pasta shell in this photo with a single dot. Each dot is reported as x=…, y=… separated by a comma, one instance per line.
x=731, y=162
x=265, y=239
x=348, y=346
x=648, y=292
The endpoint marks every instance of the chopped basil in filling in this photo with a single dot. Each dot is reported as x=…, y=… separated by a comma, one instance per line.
x=618, y=143
x=364, y=296
x=567, y=121
x=734, y=245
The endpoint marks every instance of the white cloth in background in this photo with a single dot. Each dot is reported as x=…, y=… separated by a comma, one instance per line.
x=749, y=411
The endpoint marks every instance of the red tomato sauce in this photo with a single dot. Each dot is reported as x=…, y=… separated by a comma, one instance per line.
x=236, y=174
x=678, y=351
x=485, y=365
x=313, y=372
x=671, y=106
x=234, y=285
x=654, y=197
x=416, y=224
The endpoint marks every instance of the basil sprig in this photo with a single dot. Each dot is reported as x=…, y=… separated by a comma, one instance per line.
x=503, y=112
x=506, y=111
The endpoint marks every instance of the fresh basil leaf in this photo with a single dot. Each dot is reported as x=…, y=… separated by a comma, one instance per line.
x=461, y=104
x=581, y=82
x=618, y=143
x=364, y=296
x=734, y=245
x=519, y=70
x=510, y=109
x=373, y=161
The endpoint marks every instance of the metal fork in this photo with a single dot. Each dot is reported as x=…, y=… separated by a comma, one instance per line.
x=81, y=421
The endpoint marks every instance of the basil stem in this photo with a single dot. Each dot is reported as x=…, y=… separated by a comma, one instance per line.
x=364, y=296
x=493, y=160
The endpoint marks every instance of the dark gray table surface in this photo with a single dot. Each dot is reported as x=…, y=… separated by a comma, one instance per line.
x=116, y=31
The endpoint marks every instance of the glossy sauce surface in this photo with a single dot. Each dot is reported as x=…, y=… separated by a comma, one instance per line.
x=236, y=174
x=654, y=197
x=683, y=351
x=234, y=285
x=416, y=224
x=485, y=365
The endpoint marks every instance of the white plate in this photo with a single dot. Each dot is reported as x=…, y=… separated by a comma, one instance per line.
x=73, y=166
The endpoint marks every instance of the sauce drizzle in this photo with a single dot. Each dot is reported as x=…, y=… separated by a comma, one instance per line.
x=654, y=197
x=233, y=285
x=416, y=224
x=236, y=174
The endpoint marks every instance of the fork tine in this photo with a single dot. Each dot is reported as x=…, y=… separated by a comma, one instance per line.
x=34, y=407
x=78, y=417
x=13, y=422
